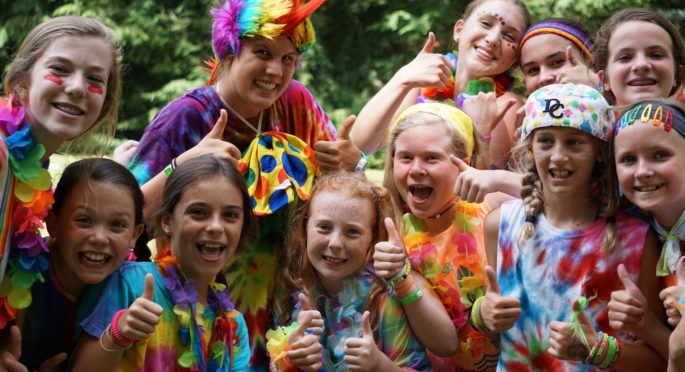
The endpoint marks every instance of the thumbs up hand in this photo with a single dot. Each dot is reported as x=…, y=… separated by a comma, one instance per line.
x=213, y=143
x=142, y=316
x=305, y=349
x=388, y=256
x=361, y=353
x=497, y=312
x=340, y=154
x=316, y=324
x=564, y=345
x=487, y=112
x=427, y=69
x=578, y=73
x=627, y=307
x=671, y=295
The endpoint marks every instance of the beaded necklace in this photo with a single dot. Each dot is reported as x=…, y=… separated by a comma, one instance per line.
x=26, y=200
x=218, y=353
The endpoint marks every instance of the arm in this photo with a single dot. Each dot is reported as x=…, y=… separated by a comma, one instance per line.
x=676, y=347
x=374, y=120
x=476, y=185
x=491, y=230
x=503, y=134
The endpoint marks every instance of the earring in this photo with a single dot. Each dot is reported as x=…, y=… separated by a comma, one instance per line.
x=167, y=230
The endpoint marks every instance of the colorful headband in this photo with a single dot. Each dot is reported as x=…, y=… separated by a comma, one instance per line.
x=239, y=19
x=579, y=38
x=569, y=105
x=449, y=114
x=654, y=113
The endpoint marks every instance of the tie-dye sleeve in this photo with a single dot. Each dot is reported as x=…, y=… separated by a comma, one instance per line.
x=397, y=341
x=300, y=114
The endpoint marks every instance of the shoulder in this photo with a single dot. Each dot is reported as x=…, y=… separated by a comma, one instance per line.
x=198, y=102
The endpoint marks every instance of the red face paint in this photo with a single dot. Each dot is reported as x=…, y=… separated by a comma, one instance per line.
x=53, y=78
x=95, y=89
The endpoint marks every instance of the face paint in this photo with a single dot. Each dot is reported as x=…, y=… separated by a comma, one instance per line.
x=53, y=78
x=96, y=90
x=496, y=15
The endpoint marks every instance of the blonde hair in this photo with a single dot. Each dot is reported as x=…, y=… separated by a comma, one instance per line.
x=17, y=80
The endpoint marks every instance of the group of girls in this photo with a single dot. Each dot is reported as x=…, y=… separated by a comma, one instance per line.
x=468, y=279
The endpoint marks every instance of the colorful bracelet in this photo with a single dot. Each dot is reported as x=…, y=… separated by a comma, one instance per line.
x=114, y=328
x=402, y=274
x=404, y=288
x=170, y=168
x=476, y=320
x=361, y=164
x=593, y=352
x=612, y=353
x=411, y=298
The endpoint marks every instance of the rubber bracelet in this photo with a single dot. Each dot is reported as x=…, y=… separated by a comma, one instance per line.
x=611, y=353
x=487, y=138
x=403, y=273
x=361, y=164
x=476, y=319
x=114, y=327
x=411, y=298
x=170, y=168
x=405, y=287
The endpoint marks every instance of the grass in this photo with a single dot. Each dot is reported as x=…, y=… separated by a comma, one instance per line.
x=375, y=176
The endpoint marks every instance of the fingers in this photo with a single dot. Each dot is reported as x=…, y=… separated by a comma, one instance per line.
x=393, y=235
x=491, y=276
x=346, y=127
x=306, y=353
x=15, y=342
x=298, y=333
x=680, y=271
x=304, y=301
x=625, y=279
x=51, y=364
x=149, y=292
x=430, y=43
x=217, y=131
x=366, y=325
x=388, y=256
x=569, y=56
x=502, y=110
x=463, y=167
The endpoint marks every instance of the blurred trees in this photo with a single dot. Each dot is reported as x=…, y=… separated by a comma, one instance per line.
x=361, y=43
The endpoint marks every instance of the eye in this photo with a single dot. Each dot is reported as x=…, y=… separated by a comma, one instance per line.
x=196, y=212
x=509, y=37
x=404, y=158
x=263, y=53
x=289, y=59
x=574, y=142
x=657, y=55
x=231, y=215
x=353, y=232
x=119, y=225
x=59, y=69
x=486, y=23
x=545, y=141
x=83, y=220
x=531, y=71
x=627, y=160
x=559, y=62
x=324, y=227
x=96, y=79
x=623, y=58
x=662, y=155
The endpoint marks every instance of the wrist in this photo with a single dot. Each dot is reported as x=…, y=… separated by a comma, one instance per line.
x=114, y=329
x=361, y=164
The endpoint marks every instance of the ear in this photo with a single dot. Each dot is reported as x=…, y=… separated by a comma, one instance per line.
x=167, y=225
x=458, y=27
x=605, y=84
x=51, y=222
x=136, y=234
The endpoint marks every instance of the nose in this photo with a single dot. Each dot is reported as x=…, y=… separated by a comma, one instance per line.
x=547, y=77
x=641, y=64
x=214, y=224
x=75, y=85
x=493, y=35
x=335, y=240
x=99, y=235
x=644, y=170
x=417, y=167
x=559, y=154
x=274, y=67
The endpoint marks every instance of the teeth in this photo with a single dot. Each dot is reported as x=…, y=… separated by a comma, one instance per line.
x=264, y=85
x=484, y=53
x=69, y=110
x=647, y=188
x=334, y=259
x=95, y=257
x=211, y=250
x=560, y=173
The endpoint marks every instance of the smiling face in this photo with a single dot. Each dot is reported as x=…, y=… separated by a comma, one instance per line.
x=93, y=233
x=543, y=58
x=650, y=165
x=67, y=88
x=640, y=63
x=339, y=236
x=488, y=38
x=423, y=172
x=205, y=227
x=259, y=75
x=565, y=159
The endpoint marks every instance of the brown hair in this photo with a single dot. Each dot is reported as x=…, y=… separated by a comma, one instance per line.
x=457, y=145
x=299, y=275
x=643, y=15
x=17, y=80
x=604, y=190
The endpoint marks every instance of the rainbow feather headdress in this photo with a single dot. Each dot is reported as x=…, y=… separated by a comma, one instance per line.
x=239, y=19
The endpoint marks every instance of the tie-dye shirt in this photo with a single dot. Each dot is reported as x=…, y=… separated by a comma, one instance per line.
x=163, y=347
x=553, y=269
x=181, y=125
x=343, y=319
x=453, y=262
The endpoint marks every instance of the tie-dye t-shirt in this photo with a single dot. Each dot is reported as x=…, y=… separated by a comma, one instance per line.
x=343, y=319
x=161, y=350
x=554, y=268
x=453, y=262
x=181, y=125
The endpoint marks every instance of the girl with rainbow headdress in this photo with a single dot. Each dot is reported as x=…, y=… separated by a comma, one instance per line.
x=254, y=114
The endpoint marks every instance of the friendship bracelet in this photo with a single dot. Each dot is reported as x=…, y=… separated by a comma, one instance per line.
x=361, y=165
x=612, y=353
x=402, y=274
x=411, y=298
x=114, y=327
x=107, y=333
x=593, y=352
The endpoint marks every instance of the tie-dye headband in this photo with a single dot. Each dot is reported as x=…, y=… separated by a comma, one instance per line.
x=577, y=37
x=238, y=19
x=449, y=114
x=655, y=113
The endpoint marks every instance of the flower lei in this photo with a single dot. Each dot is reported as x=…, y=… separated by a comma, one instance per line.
x=27, y=200
x=218, y=354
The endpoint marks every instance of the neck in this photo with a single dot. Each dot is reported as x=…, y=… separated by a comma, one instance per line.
x=46, y=139
x=570, y=213
x=668, y=216
x=67, y=280
x=435, y=226
x=223, y=90
x=461, y=78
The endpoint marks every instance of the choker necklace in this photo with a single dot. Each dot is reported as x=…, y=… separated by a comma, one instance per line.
x=435, y=217
x=257, y=130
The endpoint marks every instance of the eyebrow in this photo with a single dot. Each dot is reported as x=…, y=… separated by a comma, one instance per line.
x=89, y=209
x=67, y=61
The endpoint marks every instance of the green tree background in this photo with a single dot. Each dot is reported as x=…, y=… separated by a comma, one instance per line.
x=361, y=43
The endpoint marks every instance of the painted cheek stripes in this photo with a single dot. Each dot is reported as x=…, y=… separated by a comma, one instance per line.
x=96, y=90
x=53, y=78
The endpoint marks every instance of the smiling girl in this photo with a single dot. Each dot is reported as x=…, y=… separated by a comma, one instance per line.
x=329, y=259
x=178, y=312
x=488, y=35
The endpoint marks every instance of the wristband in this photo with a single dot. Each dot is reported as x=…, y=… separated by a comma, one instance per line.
x=170, y=168
x=405, y=287
x=114, y=328
x=411, y=298
x=476, y=320
x=361, y=164
x=402, y=274
x=486, y=138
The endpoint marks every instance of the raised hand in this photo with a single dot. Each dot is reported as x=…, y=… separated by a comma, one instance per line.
x=486, y=112
x=305, y=349
x=427, y=69
x=143, y=315
x=497, y=312
x=9, y=359
x=671, y=295
x=564, y=345
x=124, y=152
x=340, y=154
x=388, y=256
x=316, y=324
x=361, y=353
x=627, y=307
x=473, y=184
x=578, y=73
x=213, y=143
